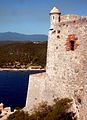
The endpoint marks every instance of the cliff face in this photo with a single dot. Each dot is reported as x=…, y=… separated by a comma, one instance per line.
x=66, y=71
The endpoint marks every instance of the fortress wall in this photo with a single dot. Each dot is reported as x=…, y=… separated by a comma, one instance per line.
x=84, y=115
x=67, y=70
x=69, y=17
x=36, y=90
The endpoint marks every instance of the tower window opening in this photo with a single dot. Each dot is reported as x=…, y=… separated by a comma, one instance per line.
x=59, y=18
x=72, y=43
x=53, y=17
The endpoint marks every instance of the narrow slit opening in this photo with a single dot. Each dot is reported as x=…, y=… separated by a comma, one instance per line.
x=72, y=43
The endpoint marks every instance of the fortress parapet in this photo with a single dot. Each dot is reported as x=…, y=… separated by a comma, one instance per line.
x=70, y=17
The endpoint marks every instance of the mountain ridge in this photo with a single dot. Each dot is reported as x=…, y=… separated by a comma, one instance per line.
x=14, y=36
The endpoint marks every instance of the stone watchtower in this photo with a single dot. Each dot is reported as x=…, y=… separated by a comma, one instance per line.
x=54, y=17
x=66, y=68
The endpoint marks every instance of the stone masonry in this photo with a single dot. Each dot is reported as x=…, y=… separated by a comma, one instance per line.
x=66, y=68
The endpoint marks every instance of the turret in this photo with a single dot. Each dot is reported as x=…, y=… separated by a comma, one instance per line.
x=54, y=17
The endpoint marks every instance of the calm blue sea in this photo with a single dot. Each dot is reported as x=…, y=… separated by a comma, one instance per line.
x=13, y=87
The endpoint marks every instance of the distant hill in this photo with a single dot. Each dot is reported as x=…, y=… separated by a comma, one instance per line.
x=18, y=55
x=13, y=36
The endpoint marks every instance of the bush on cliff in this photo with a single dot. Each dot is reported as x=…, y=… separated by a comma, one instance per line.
x=59, y=111
x=19, y=115
x=41, y=112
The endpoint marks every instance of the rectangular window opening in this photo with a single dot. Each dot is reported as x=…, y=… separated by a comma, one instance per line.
x=72, y=43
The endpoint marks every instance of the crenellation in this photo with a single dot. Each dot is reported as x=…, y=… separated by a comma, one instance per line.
x=69, y=17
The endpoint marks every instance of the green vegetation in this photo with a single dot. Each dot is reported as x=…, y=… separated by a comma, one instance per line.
x=19, y=115
x=59, y=111
x=22, y=55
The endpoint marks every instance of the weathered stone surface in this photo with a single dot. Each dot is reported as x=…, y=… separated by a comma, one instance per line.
x=66, y=69
x=69, y=17
x=36, y=90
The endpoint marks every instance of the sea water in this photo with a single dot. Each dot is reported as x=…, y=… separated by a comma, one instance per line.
x=13, y=87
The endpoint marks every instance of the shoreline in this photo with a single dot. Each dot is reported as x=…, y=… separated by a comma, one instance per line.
x=9, y=69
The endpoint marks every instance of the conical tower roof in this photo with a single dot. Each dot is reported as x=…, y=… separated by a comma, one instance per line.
x=55, y=10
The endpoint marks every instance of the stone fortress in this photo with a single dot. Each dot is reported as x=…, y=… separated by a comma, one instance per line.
x=66, y=68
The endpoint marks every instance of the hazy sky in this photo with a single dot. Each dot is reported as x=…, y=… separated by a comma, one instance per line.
x=32, y=16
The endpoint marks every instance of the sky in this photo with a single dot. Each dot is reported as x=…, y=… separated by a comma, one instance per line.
x=32, y=16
